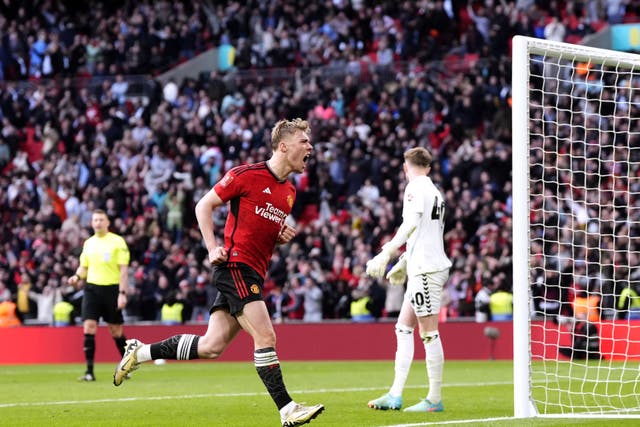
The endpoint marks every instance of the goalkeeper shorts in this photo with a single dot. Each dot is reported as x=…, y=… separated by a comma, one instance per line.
x=424, y=292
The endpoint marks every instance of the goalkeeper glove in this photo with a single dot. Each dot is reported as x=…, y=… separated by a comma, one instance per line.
x=398, y=273
x=377, y=265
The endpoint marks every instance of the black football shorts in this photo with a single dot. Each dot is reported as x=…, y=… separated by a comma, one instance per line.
x=238, y=284
x=101, y=301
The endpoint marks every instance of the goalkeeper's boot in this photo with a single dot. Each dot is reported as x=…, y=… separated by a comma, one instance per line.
x=426, y=406
x=128, y=363
x=301, y=414
x=385, y=402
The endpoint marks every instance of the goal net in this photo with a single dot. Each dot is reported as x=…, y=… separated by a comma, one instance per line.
x=576, y=230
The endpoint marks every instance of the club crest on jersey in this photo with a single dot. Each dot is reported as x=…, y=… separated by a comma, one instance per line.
x=255, y=289
x=409, y=197
x=290, y=200
x=226, y=180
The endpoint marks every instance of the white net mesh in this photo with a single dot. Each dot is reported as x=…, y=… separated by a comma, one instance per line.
x=584, y=200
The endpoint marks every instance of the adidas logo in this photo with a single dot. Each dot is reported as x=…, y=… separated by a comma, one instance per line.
x=266, y=191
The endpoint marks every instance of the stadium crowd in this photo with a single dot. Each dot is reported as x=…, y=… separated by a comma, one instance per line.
x=429, y=73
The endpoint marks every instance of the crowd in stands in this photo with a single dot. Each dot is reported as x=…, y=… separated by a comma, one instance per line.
x=67, y=147
x=45, y=39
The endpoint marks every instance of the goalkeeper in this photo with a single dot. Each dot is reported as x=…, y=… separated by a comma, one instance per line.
x=425, y=266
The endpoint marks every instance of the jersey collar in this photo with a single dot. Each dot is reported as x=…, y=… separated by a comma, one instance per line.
x=273, y=173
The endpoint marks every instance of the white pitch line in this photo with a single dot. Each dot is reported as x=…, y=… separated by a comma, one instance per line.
x=439, y=423
x=221, y=395
x=124, y=399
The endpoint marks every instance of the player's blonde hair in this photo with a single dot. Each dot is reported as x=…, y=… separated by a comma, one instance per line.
x=418, y=156
x=287, y=127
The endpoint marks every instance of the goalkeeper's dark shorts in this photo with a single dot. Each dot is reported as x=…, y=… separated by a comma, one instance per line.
x=237, y=284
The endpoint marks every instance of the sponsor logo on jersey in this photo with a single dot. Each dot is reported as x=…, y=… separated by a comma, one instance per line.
x=409, y=197
x=266, y=191
x=271, y=213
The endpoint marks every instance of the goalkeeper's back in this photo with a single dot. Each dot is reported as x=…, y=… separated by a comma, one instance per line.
x=425, y=246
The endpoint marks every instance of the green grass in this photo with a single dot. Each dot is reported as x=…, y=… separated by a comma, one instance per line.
x=231, y=394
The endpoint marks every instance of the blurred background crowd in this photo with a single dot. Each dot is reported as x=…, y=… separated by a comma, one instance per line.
x=373, y=78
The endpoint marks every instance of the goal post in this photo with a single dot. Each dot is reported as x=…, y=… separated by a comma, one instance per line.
x=520, y=162
x=576, y=230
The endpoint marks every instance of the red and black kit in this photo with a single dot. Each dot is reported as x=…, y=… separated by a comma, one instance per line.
x=259, y=203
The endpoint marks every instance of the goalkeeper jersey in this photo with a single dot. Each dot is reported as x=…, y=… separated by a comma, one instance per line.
x=425, y=247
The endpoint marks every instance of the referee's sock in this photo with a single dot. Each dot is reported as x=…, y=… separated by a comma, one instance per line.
x=89, y=348
x=121, y=343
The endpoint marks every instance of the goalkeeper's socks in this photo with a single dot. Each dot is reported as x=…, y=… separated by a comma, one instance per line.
x=435, y=364
x=404, y=357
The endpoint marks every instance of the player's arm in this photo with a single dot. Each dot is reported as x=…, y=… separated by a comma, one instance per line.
x=124, y=284
x=124, y=278
x=286, y=234
x=408, y=226
x=377, y=265
x=80, y=274
x=204, y=211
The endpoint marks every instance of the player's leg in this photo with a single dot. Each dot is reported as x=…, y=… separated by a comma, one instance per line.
x=113, y=316
x=435, y=360
x=426, y=291
x=255, y=319
x=90, y=328
x=404, y=356
x=223, y=327
x=243, y=287
x=221, y=330
x=405, y=325
x=90, y=316
x=117, y=333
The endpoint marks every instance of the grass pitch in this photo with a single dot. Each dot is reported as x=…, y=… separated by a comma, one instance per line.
x=231, y=394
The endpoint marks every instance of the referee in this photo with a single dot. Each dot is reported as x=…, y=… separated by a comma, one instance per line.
x=103, y=265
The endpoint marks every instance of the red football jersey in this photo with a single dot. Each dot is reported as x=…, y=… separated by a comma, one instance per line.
x=259, y=204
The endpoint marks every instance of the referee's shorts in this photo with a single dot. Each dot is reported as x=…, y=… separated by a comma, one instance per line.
x=101, y=301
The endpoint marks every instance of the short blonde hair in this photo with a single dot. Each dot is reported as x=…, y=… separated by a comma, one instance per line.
x=285, y=128
x=418, y=156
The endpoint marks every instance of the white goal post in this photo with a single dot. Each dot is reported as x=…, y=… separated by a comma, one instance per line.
x=576, y=230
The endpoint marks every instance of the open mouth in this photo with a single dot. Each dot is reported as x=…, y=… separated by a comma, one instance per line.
x=306, y=158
